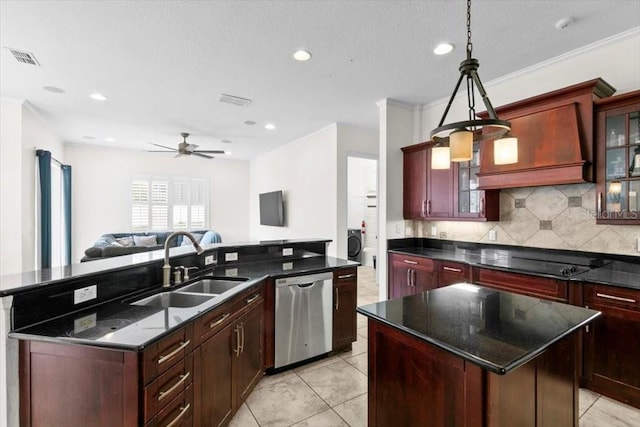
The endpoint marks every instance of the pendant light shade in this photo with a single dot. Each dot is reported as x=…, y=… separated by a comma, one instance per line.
x=505, y=150
x=440, y=158
x=461, y=145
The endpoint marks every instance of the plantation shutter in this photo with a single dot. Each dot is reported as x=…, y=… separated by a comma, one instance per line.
x=140, y=205
x=199, y=198
x=159, y=204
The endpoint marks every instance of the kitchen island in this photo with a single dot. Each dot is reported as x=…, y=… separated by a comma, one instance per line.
x=466, y=355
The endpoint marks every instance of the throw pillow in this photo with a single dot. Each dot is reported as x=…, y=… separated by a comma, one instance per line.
x=124, y=241
x=186, y=241
x=145, y=240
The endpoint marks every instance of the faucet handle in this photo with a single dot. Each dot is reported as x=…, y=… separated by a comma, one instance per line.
x=186, y=271
x=176, y=274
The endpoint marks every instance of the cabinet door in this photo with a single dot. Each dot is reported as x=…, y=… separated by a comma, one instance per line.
x=471, y=203
x=611, y=345
x=453, y=272
x=414, y=176
x=399, y=277
x=345, y=284
x=618, y=161
x=424, y=276
x=248, y=363
x=439, y=191
x=212, y=382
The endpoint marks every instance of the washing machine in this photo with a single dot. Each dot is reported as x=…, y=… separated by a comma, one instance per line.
x=354, y=245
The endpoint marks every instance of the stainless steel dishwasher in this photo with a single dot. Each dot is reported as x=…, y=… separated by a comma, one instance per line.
x=304, y=318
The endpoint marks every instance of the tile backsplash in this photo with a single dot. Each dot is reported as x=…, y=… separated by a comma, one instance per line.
x=554, y=217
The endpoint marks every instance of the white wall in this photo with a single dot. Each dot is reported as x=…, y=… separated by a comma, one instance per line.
x=101, y=178
x=306, y=172
x=22, y=133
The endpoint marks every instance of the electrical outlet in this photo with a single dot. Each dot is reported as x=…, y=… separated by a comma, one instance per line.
x=287, y=266
x=231, y=272
x=492, y=235
x=85, y=294
x=434, y=231
x=287, y=251
x=209, y=259
x=83, y=323
x=231, y=256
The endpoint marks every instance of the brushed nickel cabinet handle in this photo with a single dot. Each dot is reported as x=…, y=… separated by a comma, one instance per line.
x=166, y=393
x=252, y=299
x=410, y=262
x=183, y=410
x=599, y=203
x=428, y=207
x=346, y=276
x=408, y=277
x=482, y=206
x=337, y=294
x=613, y=297
x=424, y=208
x=237, y=349
x=413, y=278
x=242, y=329
x=182, y=346
x=456, y=270
x=220, y=320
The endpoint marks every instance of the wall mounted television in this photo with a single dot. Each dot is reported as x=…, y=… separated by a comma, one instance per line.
x=272, y=209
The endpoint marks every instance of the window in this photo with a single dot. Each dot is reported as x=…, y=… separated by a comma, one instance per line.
x=168, y=203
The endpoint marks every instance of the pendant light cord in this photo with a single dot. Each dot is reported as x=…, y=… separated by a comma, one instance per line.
x=471, y=101
x=469, y=44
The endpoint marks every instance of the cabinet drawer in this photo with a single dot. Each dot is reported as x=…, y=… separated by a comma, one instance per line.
x=162, y=355
x=612, y=296
x=177, y=413
x=453, y=272
x=413, y=261
x=345, y=275
x=161, y=391
x=541, y=287
x=212, y=322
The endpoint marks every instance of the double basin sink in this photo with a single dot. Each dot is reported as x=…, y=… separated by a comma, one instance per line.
x=194, y=294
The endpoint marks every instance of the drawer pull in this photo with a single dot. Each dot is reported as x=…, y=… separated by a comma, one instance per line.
x=217, y=322
x=181, y=381
x=337, y=299
x=346, y=276
x=183, y=410
x=182, y=346
x=456, y=270
x=252, y=299
x=410, y=262
x=613, y=297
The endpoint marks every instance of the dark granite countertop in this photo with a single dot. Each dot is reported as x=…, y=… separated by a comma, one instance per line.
x=120, y=325
x=499, y=331
x=573, y=266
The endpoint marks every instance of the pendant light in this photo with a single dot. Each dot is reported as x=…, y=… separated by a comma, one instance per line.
x=459, y=136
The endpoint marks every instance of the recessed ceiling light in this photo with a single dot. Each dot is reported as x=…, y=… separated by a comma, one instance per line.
x=302, y=55
x=249, y=122
x=228, y=153
x=563, y=23
x=109, y=139
x=443, y=48
x=53, y=89
x=270, y=126
x=98, y=97
x=226, y=141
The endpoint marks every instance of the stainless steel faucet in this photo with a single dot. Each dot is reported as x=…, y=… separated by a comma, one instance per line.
x=166, y=268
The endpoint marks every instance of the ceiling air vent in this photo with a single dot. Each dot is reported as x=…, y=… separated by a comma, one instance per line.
x=235, y=100
x=23, y=57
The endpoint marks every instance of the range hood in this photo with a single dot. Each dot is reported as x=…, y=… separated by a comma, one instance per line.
x=555, y=139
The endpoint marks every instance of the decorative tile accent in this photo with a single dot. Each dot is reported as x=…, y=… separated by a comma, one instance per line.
x=575, y=202
x=521, y=203
x=546, y=225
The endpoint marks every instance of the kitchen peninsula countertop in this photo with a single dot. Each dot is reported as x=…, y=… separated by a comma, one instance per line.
x=589, y=267
x=499, y=331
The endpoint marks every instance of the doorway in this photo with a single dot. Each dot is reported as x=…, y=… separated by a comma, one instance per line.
x=362, y=209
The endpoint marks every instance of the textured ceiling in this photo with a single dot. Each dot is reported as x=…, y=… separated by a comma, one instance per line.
x=163, y=64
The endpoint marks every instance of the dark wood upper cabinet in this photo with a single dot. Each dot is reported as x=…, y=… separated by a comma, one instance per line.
x=555, y=139
x=618, y=159
x=446, y=194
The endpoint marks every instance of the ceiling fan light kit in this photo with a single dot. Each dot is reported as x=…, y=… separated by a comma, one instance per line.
x=459, y=136
x=186, y=149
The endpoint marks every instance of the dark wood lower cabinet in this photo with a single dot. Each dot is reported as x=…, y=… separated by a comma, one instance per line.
x=525, y=284
x=413, y=383
x=345, y=296
x=410, y=275
x=612, y=343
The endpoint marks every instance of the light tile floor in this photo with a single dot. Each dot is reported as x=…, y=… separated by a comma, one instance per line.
x=332, y=392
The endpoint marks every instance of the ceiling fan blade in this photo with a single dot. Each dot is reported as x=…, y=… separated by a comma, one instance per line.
x=195, y=153
x=159, y=151
x=210, y=151
x=163, y=146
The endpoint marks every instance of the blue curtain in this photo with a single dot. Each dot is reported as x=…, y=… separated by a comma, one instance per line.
x=44, y=168
x=66, y=206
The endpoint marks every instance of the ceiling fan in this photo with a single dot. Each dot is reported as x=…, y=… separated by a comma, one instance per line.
x=186, y=149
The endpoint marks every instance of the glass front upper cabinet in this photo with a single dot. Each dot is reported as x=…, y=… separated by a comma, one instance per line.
x=618, y=179
x=470, y=200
